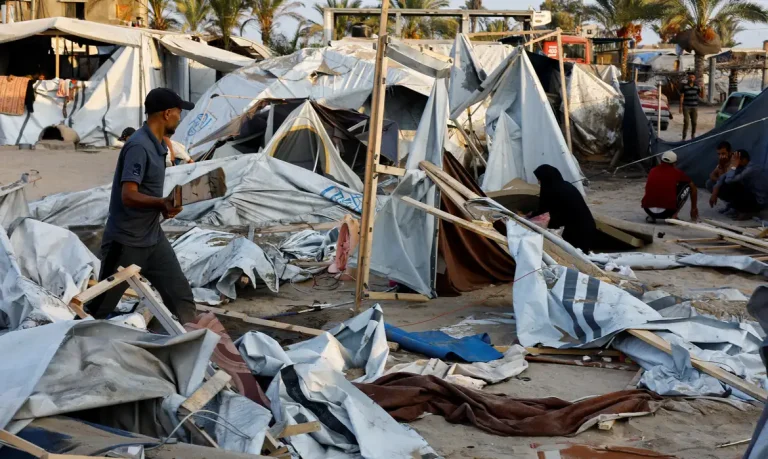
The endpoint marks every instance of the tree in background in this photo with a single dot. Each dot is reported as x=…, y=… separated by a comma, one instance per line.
x=666, y=30
x=267, y=13
x=473, y=5
x=160, y=15
x=282, y=45
x=566, y=14
x=227, y=16
x=625, y=19
x=418, y=27
x=498, y=25
x=710, y=18
x=343, y=24
x=196, y=14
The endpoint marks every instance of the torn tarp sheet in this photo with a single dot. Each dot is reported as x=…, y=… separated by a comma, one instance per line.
x=650, y=261
x=259, y=189
x=359, y=342
x=23, y=303
x=62, y=367
x=402, y=250
x=466, y=74
x=13, y=201
x=437, y=344
x=428, y=144
x=53, y=257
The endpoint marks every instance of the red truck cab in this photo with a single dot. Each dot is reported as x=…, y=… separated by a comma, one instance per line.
x=576, y=49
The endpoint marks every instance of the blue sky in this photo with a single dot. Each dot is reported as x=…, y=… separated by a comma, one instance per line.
x=752, y=38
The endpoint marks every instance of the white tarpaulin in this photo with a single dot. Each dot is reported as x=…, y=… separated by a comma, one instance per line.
x=63, y=367
x=259, y=189
x=339, y=77
x=13, y=201
x=467, y=74
x=302, y=140
x=23, y=303
x=505, y=158
x=124, y=36
x=642, y=260
x=53, y=257
x=431, y=134
x=215, y=58
x=405, y=236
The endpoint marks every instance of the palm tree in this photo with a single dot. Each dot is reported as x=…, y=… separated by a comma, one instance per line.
x=196, y=14
x=160, y=15
x=227, y=16
x=343, y=23
x=666, y=30
x=266, y=13
x=498, y=25
x=566, y=14
x=625, y=19
x=708, y=18
x=283, y=46
x=473, y=5
x=413, y=26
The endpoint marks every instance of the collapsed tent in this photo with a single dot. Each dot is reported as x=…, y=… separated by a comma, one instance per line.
x=745, y=131
x=130, y=62
x=339, y=78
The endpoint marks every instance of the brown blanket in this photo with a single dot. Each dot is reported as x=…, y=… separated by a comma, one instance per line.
x=406, y=397
x=13, y=90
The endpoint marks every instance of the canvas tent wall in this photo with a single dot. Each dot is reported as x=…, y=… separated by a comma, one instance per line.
x=744, y=130
x=336, y=77
x=112, y=98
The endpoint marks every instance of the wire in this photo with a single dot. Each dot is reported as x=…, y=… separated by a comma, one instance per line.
x=496, y=292
x=222, y=422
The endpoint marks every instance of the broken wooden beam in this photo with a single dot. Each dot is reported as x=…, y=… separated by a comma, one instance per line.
x=385, y=296
x=300, y=429
x=706, y=367
x=763, y=244
x=261, y=322
x=78, y=301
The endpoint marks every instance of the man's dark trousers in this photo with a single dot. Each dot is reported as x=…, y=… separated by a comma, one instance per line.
x=159, y=266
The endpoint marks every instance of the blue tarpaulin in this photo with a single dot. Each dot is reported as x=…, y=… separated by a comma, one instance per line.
x=436, y=344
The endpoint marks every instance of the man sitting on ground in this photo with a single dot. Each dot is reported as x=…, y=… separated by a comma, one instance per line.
x=743, y=187
x=667, y=189
x=723, y=159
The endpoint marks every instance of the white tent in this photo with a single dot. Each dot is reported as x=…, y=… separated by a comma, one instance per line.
x=336, y=77
x=302, y=140
x=113, y=98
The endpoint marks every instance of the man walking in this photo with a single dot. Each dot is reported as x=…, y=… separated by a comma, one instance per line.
x=133, y=234
x=690, y=92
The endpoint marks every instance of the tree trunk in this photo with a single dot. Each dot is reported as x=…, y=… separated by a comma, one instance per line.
x=625, y=60
x=733, y=81
x=698, y=67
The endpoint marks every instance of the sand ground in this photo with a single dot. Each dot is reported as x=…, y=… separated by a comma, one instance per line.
x=688, y=429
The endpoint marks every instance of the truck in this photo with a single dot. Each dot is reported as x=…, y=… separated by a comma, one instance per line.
x=575, y=49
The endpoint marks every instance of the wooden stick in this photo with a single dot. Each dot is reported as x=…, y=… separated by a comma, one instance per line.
x=455, y=184
x=451, y=194
x=724, y=233
x=383, y=296
x=564, y=90
x=470, y=144
x=752, y=232
x=618, y=234
x=489, y=233
x=734, y=443
x=129, y=292
x=261, y=322
x=77, y=301
x=709, y=368
x=505, y=34
x=372, y=161
x=58, y=52
x=581, y=363
x=553, y=351
x=299, y=429
x=635, y=380
x=541, y=38
x=206, y=392
x=390, y=170
x=708, y=248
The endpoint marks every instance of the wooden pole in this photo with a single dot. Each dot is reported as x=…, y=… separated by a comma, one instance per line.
x=564, y=90
x=58, y=40
x=636, y=74
x=372, y=161
x=658, y=111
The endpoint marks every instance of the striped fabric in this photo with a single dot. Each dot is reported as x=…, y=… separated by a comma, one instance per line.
x=12, y=92
x=690, y=95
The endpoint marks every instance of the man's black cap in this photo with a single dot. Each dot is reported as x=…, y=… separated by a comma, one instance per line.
x=161, y=99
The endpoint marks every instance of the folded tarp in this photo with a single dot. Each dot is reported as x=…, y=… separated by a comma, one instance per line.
x=210, y=56
x=66, y=366
x=437, y=344
x=650, y=261
x=407, y=397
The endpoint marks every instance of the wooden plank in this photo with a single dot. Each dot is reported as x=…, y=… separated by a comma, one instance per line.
x=697, y=239
x=373, y=150
x=206, y=392
x=470, y=143
x=490, y=234
x=541, y=38
x=746, y=245
x=582, y=363
x=390, y=170
x=619, y=234
x=118, y=278
x=639, y=231
x=129, y=292
x=506, y=34
x=455, y=184
x=709, y=368
x=451, y=194
x=208, y=186
x=553, y=351
x=261, y=322
x=154, y=304
x=300, y=429
x=384, y=296
x=722, y=232
x=709, y=248
x=751, y=232
x=564, y=91
x=635, y=380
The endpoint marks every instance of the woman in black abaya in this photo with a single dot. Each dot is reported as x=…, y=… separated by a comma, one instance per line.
x=566, y=207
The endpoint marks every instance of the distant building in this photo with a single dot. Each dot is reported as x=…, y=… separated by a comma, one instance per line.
x=116, y=12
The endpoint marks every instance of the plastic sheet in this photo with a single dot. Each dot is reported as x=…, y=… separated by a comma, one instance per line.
x=476, y=348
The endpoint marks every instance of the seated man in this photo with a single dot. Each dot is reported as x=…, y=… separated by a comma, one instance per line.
x=743, y=187
x=723, y=159
x=667, y=189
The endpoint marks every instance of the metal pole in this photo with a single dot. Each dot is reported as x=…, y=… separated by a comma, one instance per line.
x=58, y=54
x=765, y=65
x=658, y=112
x=712, y=70
x=564, y=90
x=636, y=72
